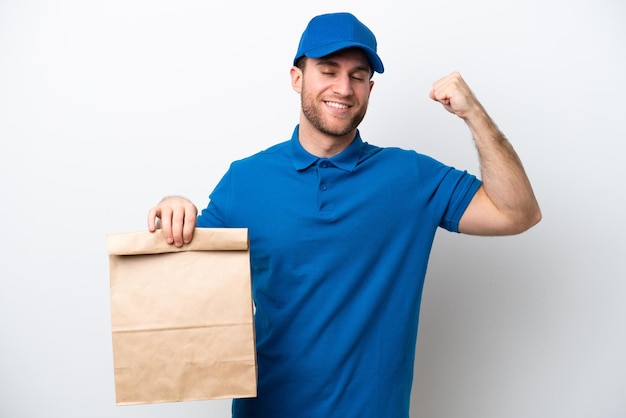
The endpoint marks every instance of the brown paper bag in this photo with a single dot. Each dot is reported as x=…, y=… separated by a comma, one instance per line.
x=182, y=325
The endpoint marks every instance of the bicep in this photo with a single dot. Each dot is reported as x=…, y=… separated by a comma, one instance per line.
x=482, y=217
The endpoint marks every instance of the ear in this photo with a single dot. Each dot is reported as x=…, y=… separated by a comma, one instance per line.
x=296, y=79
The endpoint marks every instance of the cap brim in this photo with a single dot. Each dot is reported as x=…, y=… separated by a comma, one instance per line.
x=374, y=59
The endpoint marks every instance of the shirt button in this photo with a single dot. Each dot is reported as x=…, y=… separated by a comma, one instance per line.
x=324, y=164
x=323, y=187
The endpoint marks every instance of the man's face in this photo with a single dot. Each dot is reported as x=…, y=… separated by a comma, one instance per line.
x=335, y=91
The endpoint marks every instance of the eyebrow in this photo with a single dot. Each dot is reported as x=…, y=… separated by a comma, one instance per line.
x=330, y=62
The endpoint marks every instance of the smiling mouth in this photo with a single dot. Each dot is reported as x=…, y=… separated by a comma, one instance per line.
x=337, y=105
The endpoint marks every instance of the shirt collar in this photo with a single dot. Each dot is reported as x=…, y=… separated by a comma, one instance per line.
x=345, y=160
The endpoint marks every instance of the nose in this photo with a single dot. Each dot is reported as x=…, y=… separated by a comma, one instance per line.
x=343, y=85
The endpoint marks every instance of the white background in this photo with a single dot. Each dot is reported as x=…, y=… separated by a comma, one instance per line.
x=107, y=106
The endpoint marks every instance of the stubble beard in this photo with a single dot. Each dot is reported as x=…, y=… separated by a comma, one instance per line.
x=314, y=114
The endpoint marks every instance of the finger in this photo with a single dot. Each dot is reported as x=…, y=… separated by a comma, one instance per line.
x=152, y=216
x=154, y=219
x=177, y=226
x=441, y=95
x=189, y=225
x=441, y=90
x=166, y=225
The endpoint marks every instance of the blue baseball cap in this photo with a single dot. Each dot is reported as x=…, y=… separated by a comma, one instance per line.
x=332, y=32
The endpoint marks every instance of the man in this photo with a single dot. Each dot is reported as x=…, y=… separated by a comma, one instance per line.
x=341, y=231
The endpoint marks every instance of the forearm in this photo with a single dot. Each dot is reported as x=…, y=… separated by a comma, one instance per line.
x=504, y=178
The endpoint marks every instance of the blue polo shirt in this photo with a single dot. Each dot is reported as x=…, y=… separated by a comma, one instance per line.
x=339, y=248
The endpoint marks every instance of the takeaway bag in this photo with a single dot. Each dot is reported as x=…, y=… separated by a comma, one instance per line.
x=182, y=318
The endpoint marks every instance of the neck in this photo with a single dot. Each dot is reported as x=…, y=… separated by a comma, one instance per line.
x=323, y=145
